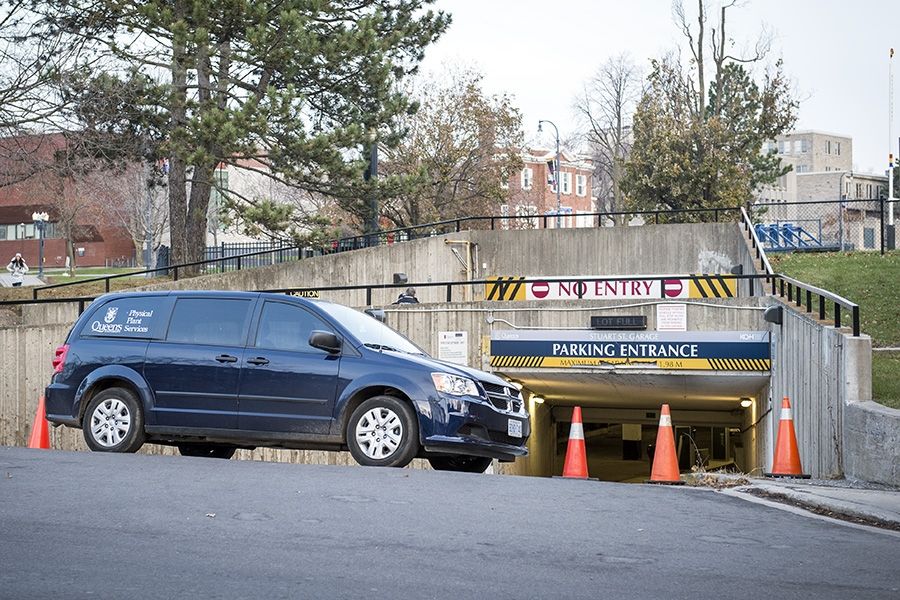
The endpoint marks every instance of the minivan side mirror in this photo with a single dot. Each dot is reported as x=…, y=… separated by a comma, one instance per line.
x=325, y=340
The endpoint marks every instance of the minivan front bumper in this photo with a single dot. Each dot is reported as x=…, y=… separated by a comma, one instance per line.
x=478, y=429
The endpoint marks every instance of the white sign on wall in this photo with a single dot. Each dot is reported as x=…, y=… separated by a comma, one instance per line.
x=453, y=346
x=671, y=317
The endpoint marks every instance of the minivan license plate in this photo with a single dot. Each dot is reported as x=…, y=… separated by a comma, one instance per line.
x=514, y=428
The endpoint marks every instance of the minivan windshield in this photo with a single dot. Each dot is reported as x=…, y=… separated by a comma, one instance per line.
x=368, y=330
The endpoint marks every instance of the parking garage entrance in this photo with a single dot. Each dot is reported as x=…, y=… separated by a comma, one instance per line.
x=717, y=396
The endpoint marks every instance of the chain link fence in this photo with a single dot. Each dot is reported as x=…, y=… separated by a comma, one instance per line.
x=830, y=225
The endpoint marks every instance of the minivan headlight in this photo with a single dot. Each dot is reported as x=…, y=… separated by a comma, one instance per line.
x=454, y=385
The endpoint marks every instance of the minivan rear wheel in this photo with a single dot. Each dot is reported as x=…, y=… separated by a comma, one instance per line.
x=383, y=432
x=114, y=421
x=207, y=450
x=460, y=463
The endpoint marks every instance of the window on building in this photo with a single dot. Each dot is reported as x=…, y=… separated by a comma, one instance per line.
x=869, y=237
x=566, y=183
x=580, y=185
x=837, y=148
x=527, y=178
x=859, y=188
x=784, y=147
x=869, y=195
x=827, y=168
x=26, y=231
x=827, y=146
x=798, y=146
x=216, y=207
x=804, y=146
x=802, y=169
x=527, y=216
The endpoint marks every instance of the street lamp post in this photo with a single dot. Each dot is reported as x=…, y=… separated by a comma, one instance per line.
x=40, y=222
x=558, y=174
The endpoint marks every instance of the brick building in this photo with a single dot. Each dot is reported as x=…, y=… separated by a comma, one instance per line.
x=27, y=185
x=533, y=190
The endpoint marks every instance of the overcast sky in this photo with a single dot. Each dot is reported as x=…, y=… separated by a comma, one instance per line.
x=542, y=52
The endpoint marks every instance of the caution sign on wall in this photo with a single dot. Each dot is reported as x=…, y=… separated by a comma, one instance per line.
x=700, y=350
x=601, y=288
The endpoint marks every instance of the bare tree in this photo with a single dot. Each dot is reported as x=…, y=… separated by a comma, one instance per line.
x=134, y=199
x=606, y=107
x=722, y=48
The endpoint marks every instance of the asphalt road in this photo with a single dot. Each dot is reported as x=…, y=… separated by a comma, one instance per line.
x=81, y=525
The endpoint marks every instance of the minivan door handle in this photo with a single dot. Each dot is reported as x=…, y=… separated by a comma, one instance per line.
x=226, y=358
x=259, y=360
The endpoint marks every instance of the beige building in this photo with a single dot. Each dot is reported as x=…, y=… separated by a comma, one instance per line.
x=806, y=198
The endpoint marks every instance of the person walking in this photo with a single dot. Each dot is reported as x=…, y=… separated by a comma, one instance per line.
x=408, y=297
x=18, y=268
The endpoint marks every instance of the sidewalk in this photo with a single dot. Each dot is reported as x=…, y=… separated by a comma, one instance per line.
x=854, y=501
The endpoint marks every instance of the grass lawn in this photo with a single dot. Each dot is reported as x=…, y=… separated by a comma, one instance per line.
x=873, y=282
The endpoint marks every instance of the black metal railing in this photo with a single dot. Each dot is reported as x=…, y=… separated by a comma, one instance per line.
x=782, y=286
x=386, y=237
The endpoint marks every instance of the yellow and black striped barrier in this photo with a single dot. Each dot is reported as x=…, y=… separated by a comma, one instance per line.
x=712, y=286
x=505, y=288
x=697, y=364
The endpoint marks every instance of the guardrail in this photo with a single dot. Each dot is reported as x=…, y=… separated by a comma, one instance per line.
x=781, y=286
x=388, y=236
x=794, y=287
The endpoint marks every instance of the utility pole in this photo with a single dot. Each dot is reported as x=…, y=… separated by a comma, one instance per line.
x=557, y=175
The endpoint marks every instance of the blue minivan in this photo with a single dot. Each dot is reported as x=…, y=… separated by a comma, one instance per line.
x=213, y=371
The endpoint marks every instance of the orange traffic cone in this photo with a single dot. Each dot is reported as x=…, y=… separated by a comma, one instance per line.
x=787, y=455
x=575, y=466
x=40, y=433
x=665, y=463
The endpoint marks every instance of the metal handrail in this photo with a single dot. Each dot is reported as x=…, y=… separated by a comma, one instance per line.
x=795, y=286
x=362, y=240
x=789, y=287
x=757, y=245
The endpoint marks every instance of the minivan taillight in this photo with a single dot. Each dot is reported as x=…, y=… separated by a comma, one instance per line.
x=60, y=358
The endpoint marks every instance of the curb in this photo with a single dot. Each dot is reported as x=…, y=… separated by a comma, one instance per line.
x=845, y=511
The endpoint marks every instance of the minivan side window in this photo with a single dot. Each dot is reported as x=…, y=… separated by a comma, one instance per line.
x=287, y=327
x=213, y=321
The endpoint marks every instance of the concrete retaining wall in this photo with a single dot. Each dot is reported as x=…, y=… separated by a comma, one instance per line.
x=872, y=442
x=822, y=370
x=648, y=250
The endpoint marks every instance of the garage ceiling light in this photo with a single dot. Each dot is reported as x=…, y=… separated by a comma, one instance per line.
x=746, y=402
x=537, y=399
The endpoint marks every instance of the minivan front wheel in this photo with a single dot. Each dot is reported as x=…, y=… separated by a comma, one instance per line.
x=383, y=432
x=114, y=422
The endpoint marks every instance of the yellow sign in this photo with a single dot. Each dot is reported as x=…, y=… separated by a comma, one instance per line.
x=697, y=364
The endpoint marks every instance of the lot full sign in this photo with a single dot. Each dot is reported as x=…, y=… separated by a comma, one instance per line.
x=701, y=350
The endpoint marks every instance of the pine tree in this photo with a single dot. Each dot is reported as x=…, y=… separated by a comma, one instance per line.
x=291, y=89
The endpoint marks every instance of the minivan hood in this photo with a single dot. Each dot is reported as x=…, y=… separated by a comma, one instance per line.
x=448, y=367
